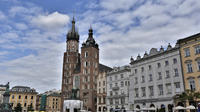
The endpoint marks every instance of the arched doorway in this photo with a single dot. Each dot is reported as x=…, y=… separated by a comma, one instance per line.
x=152, y=106
x=104, y=109
x=180, y=104
x=162, y=108
x=170, y=108
x=99, y=109
x=137, y=108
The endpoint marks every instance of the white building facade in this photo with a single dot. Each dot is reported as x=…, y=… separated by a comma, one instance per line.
x=155, y=79
x=117, y=88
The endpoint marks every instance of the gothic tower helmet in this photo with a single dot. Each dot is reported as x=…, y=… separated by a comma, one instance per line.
x=73, y=33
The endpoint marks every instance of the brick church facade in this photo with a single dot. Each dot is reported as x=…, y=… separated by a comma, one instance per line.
x=80, y=71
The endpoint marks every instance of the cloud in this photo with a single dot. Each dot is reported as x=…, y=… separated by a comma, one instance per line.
x=34, y=39
x=114, y=5
x=2, y=16
x=21, y=26
x=51, y=21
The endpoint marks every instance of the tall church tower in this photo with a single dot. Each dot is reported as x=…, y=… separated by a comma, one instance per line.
x=89, y=72
x=70, y=61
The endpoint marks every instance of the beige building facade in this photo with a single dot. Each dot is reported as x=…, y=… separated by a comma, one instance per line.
x=190, y=58
x=23, y=95
x=101, y=92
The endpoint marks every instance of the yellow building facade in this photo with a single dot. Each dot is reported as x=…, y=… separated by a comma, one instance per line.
x=23, y=95
x=53, y=103
x=190, y=58
x=49, y=101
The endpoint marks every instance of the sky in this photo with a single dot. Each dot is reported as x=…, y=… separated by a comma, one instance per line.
x=33, y=33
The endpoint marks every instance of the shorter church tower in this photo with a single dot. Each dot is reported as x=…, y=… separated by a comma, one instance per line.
x=89, y=72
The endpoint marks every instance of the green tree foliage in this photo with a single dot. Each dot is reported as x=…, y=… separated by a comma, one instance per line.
x=18, y=108
x=188, y=95
x=30, y=108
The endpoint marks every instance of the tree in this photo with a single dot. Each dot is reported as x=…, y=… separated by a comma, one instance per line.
x=18, y=108
x=30, y=108
x=188, y=95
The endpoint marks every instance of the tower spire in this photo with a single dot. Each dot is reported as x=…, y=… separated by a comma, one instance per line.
x=73, y=34
x=73, y=25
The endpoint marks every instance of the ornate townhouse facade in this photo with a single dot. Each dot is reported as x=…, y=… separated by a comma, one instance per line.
x=101, y=91
x=23, y=95
x=155, y=78
x=118, y=88
x=190, y=59
x=80, y=70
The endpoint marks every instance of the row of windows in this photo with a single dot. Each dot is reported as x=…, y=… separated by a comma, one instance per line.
x=104, y=90
x=116, y=92
x=104, y=83
x=102, y=100
x=168, y=87
x=196, y=49
x=122, y=101
x=87, y=63
x=19, y=97
x=158, y=65
x=159, y=75
x=190, y=67
x=116, y=77
x=127, y=83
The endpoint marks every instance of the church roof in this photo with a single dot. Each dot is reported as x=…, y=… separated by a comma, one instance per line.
x=104, y=68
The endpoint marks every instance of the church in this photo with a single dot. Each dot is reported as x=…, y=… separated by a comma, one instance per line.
x=80, y=70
